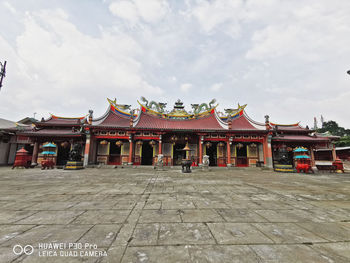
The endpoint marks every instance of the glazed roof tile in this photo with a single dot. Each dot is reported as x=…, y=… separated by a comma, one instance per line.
x=50, y=132
x=241, y=123
x=112, y=119
x=300, y=138
x=148, y=121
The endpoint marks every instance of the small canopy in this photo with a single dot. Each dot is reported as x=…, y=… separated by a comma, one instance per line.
x=49, y=145
x=300, y=149
x=22, y=150
x=302, y=157
x=48, y=152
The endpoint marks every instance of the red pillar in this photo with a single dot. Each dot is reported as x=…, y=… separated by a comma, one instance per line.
x=35, y=153
x=267, y=151
x=200, y=144
x=131, y=146
x=312, y=157
x=228, y=146
x=87, y=150
x=160, y=145
x=334, y=153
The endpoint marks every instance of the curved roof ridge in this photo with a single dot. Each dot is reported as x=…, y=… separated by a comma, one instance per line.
x=220, y=121
x=251, y=120
x=68, y=118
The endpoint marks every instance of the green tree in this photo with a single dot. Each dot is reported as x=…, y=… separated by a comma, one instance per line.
x=333, y=128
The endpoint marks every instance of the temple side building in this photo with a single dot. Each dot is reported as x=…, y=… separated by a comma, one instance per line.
x=123, y=136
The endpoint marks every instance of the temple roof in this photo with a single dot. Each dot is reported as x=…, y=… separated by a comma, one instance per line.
x=62, y=121
x=50, y=132
x=112, y=119
x=299, y=138
x=243, y=122
x=150, y=121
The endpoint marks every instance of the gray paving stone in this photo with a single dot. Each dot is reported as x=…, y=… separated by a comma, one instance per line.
x=237, y=233
x=288, y=233
x=184, y=233
x=150, y=216
x=140, y=215
x=169, y=254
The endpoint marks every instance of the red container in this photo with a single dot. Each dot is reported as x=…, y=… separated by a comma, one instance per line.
x=23, y=159
x=339, y=164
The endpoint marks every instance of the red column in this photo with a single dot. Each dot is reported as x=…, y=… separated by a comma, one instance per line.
x=312, y=157
x=200, y=144
x=334, y=153
x=131, y=145
x=160, y=145
x=35, y=153
x=87, y=150
x=267, y=151
x=228, y=146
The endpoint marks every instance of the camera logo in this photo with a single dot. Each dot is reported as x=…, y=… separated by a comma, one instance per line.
x=19, y=250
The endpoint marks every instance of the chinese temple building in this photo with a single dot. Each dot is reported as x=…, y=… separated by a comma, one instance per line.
x=123, y=136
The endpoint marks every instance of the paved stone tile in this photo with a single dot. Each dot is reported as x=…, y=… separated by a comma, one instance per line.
x=201, y=215
x=101, y=235
x=184, y=233
x=167, y=216
x=210, y=204
x=51, y=205
x=153, y=205
x=289, y=253
x=124, y=204
x=49, y=233
x=10, y=231
x=10, y=216
x=239, y=204
x=102, y=217
x=240, y=215
x=237, y=233
x=51, y=217
x=340, y=252
x=222, y=254
x=145, y=234
x=7, y=255
x=285, y=216
x=115, y=254
x=287, y=233
x=124, y=235
x=93, y=205
x=12, y=205
x=168, y=254
x=330, y=231
x=151, y=216
x=177, y=205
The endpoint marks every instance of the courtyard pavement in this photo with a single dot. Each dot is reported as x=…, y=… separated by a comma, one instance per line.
x=143, y=215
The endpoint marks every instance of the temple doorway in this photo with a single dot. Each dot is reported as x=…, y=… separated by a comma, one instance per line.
x=147, y=154
x=242, y=158
x=63, y=150
x=114, y=153
x=212, y=153
x=179, y=154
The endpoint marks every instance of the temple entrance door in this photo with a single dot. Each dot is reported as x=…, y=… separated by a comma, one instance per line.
x=62, y=154
x=114, y=153
x=242, y=159
x=212, y=153
x=147, y=154
x=179, y=154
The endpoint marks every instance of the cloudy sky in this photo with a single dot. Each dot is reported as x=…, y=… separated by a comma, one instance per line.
x=287, y=59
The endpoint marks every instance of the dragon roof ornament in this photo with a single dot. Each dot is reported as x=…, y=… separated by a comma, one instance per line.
x=178, y=112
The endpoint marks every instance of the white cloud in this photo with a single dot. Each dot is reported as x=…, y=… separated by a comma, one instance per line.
x=150, y=11
x=223, y=15
x=186, y=87
x=62, y=63
x=216, y=87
